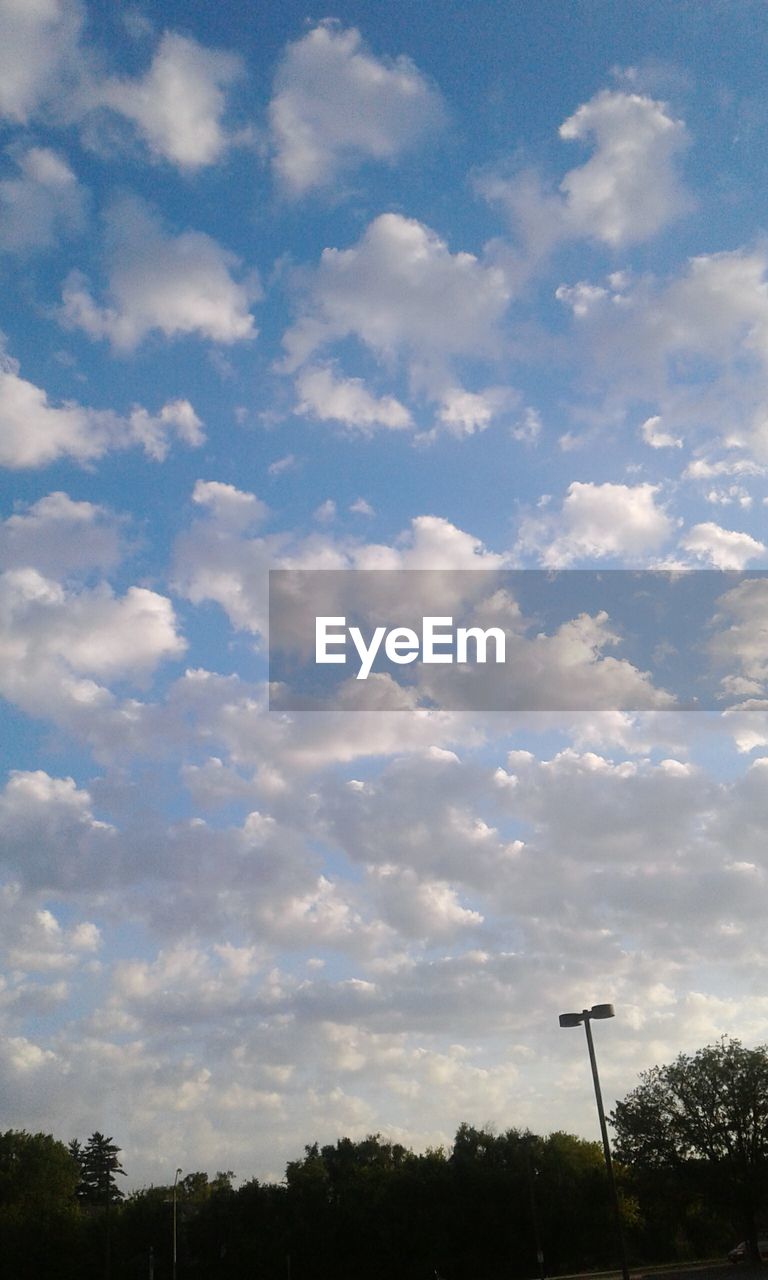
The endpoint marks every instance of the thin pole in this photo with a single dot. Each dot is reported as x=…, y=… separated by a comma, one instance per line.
x=175, y=1180
x=606, y=1146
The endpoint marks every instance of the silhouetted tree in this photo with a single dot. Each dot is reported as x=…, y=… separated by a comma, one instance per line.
x=98, y=1165
x=706, y=1114
x=40, y=1226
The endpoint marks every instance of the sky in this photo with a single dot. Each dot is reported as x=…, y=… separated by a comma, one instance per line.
x=404, y=287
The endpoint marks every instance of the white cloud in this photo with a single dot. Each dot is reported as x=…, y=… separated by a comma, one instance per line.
x=157, y=281
x=694, y=346
x=465, y=412
x=35, y=433
x=50, y=835
x=231, y=507
x=629, y=189
x=348, y=401
x=34, y=941
x=403, y=294
x=335, y=104
x=528, y=427
x=38, y=53
x=57, y=643
x=216, y=560
x=654, y=435
x=728, y=495
x=57, y=535
x=737, y=645
x=44, y=201
x=420, y=908
x=153, y=431
x=325, y=513
x=722, y=548
x=626, y=192
x=595, y=521
x=281, y=465
x=702, y=469
x=178, y=105
x=400, y=287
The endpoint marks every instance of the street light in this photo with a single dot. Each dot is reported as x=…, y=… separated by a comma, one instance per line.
x=573, y=1020
x=175, y=1181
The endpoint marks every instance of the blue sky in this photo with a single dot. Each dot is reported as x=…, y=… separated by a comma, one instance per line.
x=392, y=286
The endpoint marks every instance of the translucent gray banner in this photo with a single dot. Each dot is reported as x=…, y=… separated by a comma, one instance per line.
x=517, y=640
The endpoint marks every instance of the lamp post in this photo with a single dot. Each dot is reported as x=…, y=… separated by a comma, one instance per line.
x=175, y=1182
x=573, y=1020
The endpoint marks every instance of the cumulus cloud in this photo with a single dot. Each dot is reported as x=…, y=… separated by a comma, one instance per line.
x=58, y=536
x=598, y=521
x=348, y=401
x=722, y=548
x=39, y=53
x=629, y=189
x=400, y=288
x=335, y=104
x=217, y=559
x=693, y=346
x=57, y=643
x=626, y=192
x=35, y=942
x=42, y=203
x=179, y=103
x=402, y=294
x=420, y=908
x=738, y=639
x=34, y=432
x=158, y=281
x=465, y=412
x=50, y=834
x=654, y=435
x=233, y=508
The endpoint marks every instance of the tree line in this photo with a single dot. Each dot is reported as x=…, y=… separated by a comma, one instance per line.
x=691, y=1146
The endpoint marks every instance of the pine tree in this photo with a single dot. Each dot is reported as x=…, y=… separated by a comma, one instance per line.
x=98, y=1165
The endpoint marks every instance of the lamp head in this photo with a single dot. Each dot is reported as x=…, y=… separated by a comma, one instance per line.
x=571, y=1019
x=602, y=1011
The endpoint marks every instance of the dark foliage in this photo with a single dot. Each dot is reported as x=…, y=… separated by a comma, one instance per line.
x=700, y=1127
x=354, y=1208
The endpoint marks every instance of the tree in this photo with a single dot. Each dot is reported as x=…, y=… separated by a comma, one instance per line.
x=40, y=1224
x=707, y=1113
x=98, y=1165
x=36, y=1172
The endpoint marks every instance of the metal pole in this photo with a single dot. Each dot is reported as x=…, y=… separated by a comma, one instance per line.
x=606, y=1147
x=175, y=1180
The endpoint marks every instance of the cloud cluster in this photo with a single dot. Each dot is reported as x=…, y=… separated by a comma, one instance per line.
x=335, y=104
x=598, y=521
x=692, y=346
x=34, y=432
x=59, y=536
x=328, y=398
x=157, y=281
x=500, y=868
x=44, y=202
x=39, y=54
x=627, y=191
x=178, y=104
x=403, y=295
